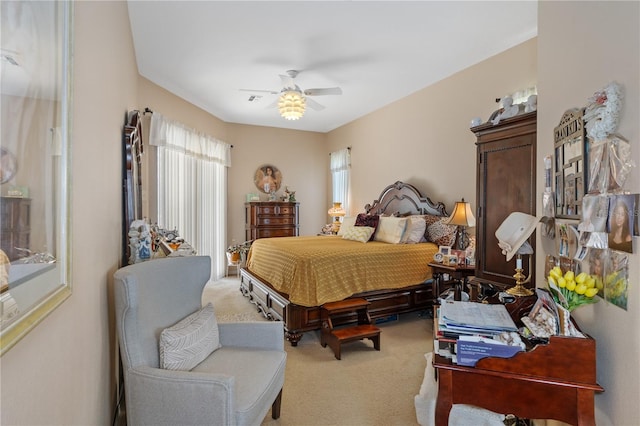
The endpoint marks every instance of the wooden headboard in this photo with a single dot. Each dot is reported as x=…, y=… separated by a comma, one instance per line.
x=403, y=198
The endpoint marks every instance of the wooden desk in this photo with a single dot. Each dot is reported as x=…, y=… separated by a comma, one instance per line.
x=461, y=273
x=552, y=381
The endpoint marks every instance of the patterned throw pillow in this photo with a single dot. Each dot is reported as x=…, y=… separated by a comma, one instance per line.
x=364, y=219
x=438, y=232
x=191, y=340
x=359, y=233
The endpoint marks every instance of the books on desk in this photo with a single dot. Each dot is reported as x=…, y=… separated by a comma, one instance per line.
x=469, y=318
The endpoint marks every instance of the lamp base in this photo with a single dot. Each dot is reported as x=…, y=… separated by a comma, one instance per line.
x=335, y=227
x=519, y=290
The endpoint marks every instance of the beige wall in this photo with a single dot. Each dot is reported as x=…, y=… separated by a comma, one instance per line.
x=61, y=373
x=300, y=156
x=582, y=47
x=424, y=139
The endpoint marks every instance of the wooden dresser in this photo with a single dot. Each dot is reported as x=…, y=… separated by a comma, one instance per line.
x=506, y=183
x=16, y=225
x=271, y=219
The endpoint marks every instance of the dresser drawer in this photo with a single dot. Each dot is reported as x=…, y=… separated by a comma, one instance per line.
x=276, y=210
x=276, y=220
x=275, y=232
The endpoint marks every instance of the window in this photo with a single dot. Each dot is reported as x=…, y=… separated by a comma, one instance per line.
x=192, y=187
x=340, y=176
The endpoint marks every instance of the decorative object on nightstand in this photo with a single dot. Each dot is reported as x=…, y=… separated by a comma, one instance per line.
x=462, y=217
x=336, y=212
x=512, y=237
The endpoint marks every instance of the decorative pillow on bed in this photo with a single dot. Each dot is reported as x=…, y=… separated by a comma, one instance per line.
x=439, y=232
x=390, y=229
x=359, y=233
x=416, y=227
x=188, y=342
x=364, y=219
x=347, y=223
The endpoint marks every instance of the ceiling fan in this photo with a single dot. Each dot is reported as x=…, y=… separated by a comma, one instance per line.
x=290, y=86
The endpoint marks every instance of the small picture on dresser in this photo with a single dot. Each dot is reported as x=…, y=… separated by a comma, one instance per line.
x=268, y=178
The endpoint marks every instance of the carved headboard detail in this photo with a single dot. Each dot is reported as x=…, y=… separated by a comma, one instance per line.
x=403, y=198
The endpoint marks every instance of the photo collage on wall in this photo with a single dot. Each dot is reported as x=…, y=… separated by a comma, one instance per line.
x=602, y=240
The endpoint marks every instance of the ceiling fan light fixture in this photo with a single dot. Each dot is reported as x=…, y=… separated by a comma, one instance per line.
x=291, y=105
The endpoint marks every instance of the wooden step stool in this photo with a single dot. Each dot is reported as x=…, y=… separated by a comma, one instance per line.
x=335, y=337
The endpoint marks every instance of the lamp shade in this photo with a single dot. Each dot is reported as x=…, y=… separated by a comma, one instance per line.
x=462, y=215
x=514, y=232
x=336, y=210
x=291, y=105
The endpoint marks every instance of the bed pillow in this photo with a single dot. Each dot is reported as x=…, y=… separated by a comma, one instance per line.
x=439, y=232
x=390, y=229
x=191, y=340
x=416, y=227
x=359, y=233
x=364, y=219
x=347, y=223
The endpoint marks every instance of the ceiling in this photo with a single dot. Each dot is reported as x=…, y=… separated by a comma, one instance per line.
x=376, y=51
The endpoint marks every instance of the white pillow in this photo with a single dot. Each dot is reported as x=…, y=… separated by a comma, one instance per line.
x=416, y=226
x=358, y=233
x=347, y=223
x=390, y=229
x=191, y=340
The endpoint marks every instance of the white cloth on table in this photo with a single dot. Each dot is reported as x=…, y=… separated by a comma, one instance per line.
x=460, y=414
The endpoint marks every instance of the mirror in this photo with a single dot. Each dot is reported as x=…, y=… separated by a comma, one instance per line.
x=570, y=159
x=35, y=91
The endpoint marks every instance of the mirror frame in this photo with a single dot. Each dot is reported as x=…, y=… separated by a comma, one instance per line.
x=571, y=164
x=35, y=314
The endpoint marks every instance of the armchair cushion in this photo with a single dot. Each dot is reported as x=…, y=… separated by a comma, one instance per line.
x=188, y=342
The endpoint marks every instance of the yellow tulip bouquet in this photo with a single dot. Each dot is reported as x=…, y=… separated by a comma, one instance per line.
x=570, y=290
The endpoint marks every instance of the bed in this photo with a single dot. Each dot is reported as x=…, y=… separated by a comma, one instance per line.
x=289, y=278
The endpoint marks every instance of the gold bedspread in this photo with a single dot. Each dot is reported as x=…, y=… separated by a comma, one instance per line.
x=313, y=270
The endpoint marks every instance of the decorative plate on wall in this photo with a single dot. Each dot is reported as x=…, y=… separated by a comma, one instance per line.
x=268, y=178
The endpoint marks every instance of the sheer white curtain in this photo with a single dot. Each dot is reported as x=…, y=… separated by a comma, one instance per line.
x=192, y=187
x=341, y=177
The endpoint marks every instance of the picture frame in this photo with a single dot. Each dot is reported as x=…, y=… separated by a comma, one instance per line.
x=571, y=164
x=444, y=250
x=267, y=178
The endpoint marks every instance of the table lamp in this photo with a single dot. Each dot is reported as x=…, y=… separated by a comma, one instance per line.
x=462, y=217
x=512, y=237
x=336, y=212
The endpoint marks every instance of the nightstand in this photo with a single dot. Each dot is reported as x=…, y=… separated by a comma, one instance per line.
x=458, y=273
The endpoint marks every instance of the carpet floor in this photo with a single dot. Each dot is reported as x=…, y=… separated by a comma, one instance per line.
x=365, y=387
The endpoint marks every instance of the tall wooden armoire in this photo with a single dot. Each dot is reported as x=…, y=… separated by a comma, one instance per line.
x=506, y=183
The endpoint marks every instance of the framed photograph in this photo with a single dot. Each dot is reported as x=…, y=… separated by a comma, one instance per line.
x=444, y=250
x=268, y=178
x=461, y=255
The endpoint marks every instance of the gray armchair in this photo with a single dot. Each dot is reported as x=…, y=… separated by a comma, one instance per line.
x=235, y=385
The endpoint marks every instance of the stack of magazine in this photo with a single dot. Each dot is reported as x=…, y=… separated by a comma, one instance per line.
x=464, y=318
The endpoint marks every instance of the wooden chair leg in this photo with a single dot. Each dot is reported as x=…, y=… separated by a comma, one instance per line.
x=275, y=407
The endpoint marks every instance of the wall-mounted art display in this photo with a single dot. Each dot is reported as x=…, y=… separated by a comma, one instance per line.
x=268, y=178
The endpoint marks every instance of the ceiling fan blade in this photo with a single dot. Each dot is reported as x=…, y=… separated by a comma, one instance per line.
x=273, y=92
x=287, y=81
x=313, y=104
x=326, y=91
x=273, y=104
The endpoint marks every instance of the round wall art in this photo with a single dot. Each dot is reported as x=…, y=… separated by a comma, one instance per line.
x=8, y=165
x=268, y=178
